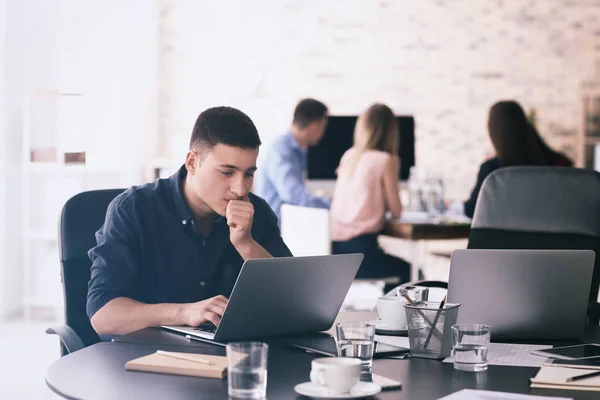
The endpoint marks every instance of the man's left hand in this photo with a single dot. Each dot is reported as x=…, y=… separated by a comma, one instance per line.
x=240, y=214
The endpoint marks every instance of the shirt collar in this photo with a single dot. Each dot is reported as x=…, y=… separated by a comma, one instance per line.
x=183, y=211
x=293, y=142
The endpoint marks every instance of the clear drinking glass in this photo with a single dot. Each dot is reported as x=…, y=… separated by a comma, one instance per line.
x=415, y=293
x=470, y=346
x=356, y=339
x=247, y=370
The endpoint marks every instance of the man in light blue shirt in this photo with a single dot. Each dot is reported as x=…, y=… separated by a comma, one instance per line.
x=281, y=179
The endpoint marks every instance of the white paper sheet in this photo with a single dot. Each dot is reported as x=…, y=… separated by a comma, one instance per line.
x=401, y=341
x=469, y=394
x=513, y=354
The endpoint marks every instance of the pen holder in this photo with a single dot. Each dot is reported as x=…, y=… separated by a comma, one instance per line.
x=429, y=332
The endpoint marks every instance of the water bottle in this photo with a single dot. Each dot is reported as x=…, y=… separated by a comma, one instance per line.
x=415, y=191
x=435, y=195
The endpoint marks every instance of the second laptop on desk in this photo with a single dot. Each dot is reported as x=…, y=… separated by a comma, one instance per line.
x=282, y=296
x=523, y=294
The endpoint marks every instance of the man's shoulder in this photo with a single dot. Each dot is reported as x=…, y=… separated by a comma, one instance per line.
x=141, y=196
x=263, y=213
x=282, y=143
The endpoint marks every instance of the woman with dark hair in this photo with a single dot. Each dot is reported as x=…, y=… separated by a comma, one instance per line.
x=514, y=141
x=554, y=158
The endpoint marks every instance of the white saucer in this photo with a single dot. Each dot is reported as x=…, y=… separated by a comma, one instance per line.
x=362, y=389
x=382, y=329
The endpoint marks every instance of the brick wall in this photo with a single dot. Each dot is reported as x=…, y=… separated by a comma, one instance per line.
x=443, y=61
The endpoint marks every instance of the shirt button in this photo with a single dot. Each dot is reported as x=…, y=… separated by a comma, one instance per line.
x=204, y=243
x=184, y=222
x=202, y=283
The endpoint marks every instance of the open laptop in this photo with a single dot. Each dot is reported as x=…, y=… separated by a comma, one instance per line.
x=523, y=294
x=282, y=296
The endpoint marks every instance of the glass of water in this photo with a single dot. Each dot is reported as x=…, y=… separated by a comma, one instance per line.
x=470, y=346
x=247, y=370
x=356, y=339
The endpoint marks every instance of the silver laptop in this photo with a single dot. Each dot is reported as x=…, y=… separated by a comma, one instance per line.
x=523, y=294
x=282, y=296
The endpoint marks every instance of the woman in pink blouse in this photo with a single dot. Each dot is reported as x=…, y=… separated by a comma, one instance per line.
x=367, y=187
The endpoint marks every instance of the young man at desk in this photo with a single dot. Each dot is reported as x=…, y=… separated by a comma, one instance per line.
x=170, y=251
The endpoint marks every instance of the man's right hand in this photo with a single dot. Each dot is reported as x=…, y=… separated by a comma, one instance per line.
x=206, y=310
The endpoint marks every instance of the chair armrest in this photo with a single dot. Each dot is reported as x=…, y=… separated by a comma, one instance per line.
x=68, y=337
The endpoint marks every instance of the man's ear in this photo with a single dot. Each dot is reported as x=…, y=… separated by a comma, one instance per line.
x=191, y=161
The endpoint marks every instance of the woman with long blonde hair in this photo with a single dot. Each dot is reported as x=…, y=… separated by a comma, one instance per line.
x=367, y=187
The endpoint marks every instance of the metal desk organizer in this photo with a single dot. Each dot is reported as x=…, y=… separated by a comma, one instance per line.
x=429, y=332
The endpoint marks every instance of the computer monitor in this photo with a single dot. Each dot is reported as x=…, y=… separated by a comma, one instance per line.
x=324, y=158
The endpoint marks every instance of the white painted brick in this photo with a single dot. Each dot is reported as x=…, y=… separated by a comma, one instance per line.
x=445, y=62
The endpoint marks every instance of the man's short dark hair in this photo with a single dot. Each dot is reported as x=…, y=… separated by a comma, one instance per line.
x=224, y=125
x=308, y=111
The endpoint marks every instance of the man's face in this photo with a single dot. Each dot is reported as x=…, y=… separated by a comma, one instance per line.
x=221, y=174
x=316, y=130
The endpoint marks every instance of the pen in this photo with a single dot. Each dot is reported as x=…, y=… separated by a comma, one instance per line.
x=584, y=376
x=437, y=333
x=184, y=357
x=435, y=320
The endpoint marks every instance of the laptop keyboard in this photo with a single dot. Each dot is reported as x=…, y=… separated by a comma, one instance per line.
x=207, y=327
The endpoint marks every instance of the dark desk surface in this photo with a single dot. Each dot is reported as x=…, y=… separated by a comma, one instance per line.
x=97, y=372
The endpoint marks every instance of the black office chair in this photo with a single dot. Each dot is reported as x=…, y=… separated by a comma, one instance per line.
x=541, y=208
x=81, y=216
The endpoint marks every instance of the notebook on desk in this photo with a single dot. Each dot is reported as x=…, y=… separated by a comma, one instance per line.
x=170, y=365
x=553, y=377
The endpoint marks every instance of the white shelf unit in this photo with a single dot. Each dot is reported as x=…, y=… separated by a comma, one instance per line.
x=46, y=186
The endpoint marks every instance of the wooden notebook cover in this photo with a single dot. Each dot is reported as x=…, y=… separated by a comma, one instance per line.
x=169, y=365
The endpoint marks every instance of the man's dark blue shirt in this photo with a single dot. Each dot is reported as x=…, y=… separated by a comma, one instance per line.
x=149, y=249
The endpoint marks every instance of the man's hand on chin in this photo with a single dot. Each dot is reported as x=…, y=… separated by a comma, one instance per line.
x=240, y=215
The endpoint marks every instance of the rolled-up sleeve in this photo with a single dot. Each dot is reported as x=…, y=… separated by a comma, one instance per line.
x=116, y=257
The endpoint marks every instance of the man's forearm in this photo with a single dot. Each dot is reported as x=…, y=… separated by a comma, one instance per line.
x=123, y=315
x=252, y=250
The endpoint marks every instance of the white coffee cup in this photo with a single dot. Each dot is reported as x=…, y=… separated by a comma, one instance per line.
x=391, y=311
x=337, y=374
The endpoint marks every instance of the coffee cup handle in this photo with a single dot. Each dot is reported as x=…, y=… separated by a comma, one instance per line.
x=318, y=377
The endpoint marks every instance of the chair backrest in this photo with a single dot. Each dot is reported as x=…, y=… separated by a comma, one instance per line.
x=305, y=230
x=540, y=208
x=81, y=216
